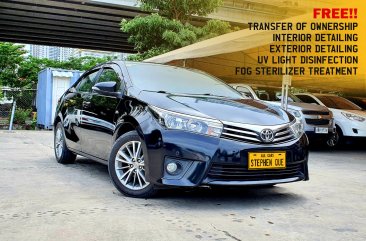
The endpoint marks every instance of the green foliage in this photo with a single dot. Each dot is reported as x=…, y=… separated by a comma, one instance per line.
x=181, y=9
x=31, y=66
x=18, y=70
x=11, y=56
x=153, y=34
x=21, y=115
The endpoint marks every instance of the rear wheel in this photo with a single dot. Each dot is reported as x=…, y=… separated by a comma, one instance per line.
x=62, y=153
x=127, y=166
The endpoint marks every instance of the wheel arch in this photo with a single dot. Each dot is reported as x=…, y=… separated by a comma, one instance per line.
x=127, y=124
x=57, y=119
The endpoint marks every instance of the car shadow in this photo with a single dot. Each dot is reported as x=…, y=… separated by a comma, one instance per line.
x=206, y=197
x=349, y=145
x=224, y=197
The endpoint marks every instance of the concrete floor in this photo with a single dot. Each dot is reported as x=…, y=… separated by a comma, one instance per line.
x=43, y=200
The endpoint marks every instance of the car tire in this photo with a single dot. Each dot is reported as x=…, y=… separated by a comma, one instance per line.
x=62, y=153
x=127, y=166
x=336, y=139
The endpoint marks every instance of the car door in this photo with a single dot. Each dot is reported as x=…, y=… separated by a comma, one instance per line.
x=100, y=111
x=72, y=109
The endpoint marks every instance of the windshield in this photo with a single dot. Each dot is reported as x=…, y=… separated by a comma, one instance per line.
x=273, y=94
x=337, y=102
x=176, y=80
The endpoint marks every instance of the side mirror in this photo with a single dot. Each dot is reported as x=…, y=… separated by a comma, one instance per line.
x=106, y=88
x=244, y=94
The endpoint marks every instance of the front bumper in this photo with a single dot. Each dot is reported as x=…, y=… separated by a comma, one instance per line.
x=354, y=129
x=208, y=160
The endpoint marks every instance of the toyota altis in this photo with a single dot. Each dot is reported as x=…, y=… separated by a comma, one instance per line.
x=159, y=126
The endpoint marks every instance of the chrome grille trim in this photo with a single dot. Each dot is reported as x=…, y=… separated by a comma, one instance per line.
x=241, y=131
x=251, y=133
x=282, y=132
x=314, y=112
x=240, y=137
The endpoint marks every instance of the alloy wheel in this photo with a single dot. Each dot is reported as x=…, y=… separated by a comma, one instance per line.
x=130, y=166
x=59, y=143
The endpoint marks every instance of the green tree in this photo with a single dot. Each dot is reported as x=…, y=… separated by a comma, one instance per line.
x=181, y=10
x=11, y=56
x=31, y=66
x=18, y=70
x=29, y=69
x=153, y=34
x=84, y=63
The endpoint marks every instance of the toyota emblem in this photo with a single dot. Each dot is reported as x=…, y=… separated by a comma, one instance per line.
x=267, y=135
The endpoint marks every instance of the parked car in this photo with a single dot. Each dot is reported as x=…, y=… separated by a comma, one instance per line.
x=360, y=101
x=158, y=126
x=317, y=120
x=349, y=117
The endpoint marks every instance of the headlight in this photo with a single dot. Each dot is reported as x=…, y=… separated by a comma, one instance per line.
x=353, y=117
x=295, y=113
x=177, y=121
x=297, y=129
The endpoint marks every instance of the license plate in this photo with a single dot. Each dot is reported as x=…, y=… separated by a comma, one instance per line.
x=321, y=130
x=266, y=160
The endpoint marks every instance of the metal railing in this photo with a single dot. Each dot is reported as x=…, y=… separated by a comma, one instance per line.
x=17, y=108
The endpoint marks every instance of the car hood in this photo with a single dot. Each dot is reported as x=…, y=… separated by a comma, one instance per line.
x=245, y=111
x=302, y=106
x=356, y=112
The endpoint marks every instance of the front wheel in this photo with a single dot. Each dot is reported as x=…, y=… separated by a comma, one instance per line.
x=127, y=166
x=62, y=153
x=335, y=139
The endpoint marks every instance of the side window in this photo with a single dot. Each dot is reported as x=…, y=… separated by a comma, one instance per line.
x=109, y=75
x=87, y=82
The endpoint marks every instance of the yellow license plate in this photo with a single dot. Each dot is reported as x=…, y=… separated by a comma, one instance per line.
x=266, y=160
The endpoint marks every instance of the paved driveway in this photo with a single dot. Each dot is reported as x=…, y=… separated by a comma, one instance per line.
x=43, y=200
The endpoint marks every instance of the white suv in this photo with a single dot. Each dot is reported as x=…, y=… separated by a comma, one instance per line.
x=349, y=118
x=317, y=120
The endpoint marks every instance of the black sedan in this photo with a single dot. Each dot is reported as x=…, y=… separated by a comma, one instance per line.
x=159, y=126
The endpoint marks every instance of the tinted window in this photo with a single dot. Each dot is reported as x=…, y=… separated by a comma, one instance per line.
x=109, y=75
x=87, y=82
x=170, y=79
x=337, y=102
x=273, y=94
x=358, y=101
x=307, y=99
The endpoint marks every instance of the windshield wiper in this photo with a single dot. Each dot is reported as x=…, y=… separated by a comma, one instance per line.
x=209, y=94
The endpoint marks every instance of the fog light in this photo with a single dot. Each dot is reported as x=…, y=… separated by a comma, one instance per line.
x=172, y=167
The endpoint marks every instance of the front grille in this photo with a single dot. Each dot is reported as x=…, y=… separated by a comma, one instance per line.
x=318, y=122
x=236, y=172
x=314, y=112
x=246, y=135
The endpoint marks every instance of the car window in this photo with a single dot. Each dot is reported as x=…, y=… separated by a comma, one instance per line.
x=307, y=99
x=273, y=94
x=109, y=75
x=152, y=77
x=337, y=102
x=87, y=82
x=358, y=101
